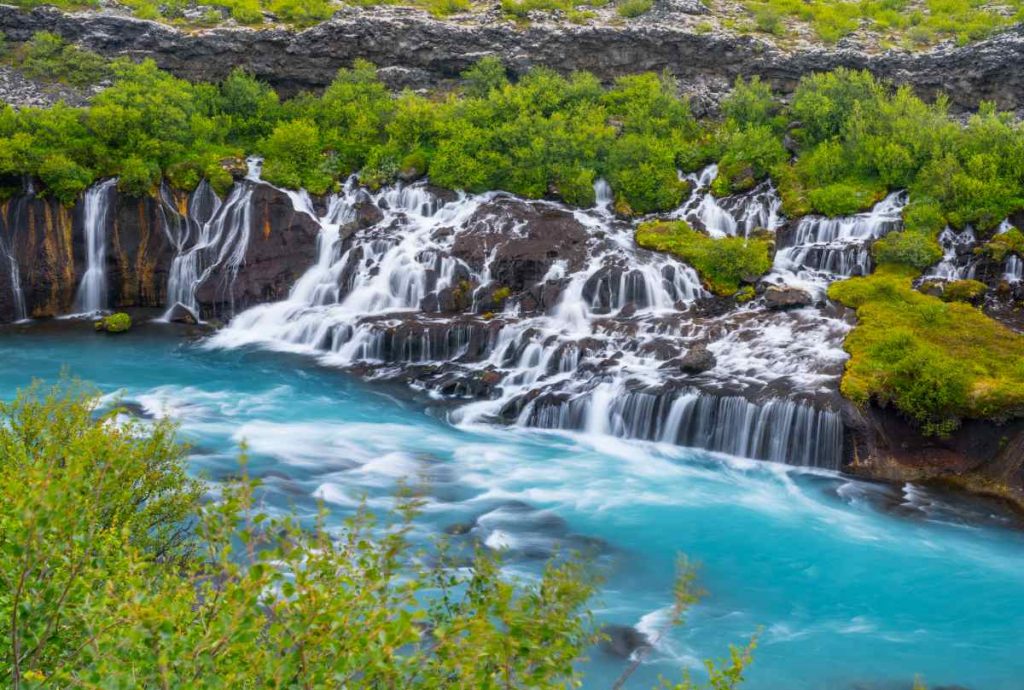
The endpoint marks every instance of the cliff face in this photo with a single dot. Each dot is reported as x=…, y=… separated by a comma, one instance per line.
x=416, y=50
x=43, y=253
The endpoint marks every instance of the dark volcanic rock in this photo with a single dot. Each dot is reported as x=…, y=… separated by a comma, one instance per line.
x=415, y=50
x=622, y=641
x=698, y=360
x=785, y=297
x=522, y=241
x=282, y=246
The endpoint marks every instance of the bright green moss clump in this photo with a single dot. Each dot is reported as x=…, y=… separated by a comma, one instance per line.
x=114, y=323
x=936, y=362
x=1004, y=244
x=723, y=264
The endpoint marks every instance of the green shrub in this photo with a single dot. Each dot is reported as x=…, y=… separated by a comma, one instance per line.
x=48, y=58
x=114, y=323
x=750, y=103
x=295, y=157
x=486, y=75
x=748, y=155
x=910, y=248
x=723, y=264
x=1004, y=244
x=634, y=8
x=64, y=178
x=642, y=171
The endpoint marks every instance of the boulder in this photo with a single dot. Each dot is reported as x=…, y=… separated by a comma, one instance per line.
x=179, y=313
x=787, y=297
x=622, y=641
x=698, y=360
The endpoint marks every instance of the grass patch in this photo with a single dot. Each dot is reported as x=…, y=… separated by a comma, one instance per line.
x=936, y=362
x=723, y=264
x=634, y=8
x=913, y=25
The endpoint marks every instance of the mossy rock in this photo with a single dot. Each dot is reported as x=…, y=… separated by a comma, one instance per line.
x=724, y=264
x=972, y=291
x=114, y=323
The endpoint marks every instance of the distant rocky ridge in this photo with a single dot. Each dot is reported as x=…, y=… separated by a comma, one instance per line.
x=418, y=51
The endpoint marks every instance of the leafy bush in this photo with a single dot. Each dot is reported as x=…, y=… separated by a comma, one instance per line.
x=845, y=198
x=723, y=264
x=295, y=157
x=936, y=362
x=48, y=58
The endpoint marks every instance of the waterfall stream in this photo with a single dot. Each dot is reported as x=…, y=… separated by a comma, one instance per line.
x=597, y=357
x=212, y=235
x=92, y=290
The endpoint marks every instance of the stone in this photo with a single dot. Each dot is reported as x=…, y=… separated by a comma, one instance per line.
x=787, y=297
x=622, y=641
x=179, y=313
x=698, y=360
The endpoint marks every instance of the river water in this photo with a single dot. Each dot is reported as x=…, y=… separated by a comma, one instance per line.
x=854, y=584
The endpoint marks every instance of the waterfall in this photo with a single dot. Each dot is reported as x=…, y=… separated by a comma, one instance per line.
x=92, y=290
x=739, y=214
x=958, y=262
x=213, y=235
x=779, y=430
x=1014, y=269
x=595, y=356
x=17, y=295
x=822, y=249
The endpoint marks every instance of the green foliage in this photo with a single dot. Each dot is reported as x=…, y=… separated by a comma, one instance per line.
x=1004, y=244
x=118, y=322
x=295, y=157
x=117, y=573
x=633, y=8
x=917, y=245
x=844, y=198
x=936, y=362
x=48, y=58
x=748, y=155
x=888, y=20
x=750, y=103
x=298, y=13
x=64, y=178
x=486, y=75
x=723, y=264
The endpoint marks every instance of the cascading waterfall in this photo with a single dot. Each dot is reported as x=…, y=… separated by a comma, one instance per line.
x=823, y=248
x=214, y=235
x=957, y=259
x=1014, y=271
x=17, y=295
x=592, y=360
x=733, y=215
x=92, y=290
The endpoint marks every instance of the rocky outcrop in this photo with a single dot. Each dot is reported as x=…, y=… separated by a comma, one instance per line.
x=281, y=246
x=413, y=49
x=982, y=455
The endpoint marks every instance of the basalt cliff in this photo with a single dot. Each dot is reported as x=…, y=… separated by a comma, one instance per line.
x=413, y=49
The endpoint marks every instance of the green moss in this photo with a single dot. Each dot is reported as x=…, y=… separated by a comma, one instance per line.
x=1002, y=245
x=936, y=362
x=964, y=291
x=723, y=264
x=114, y=323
